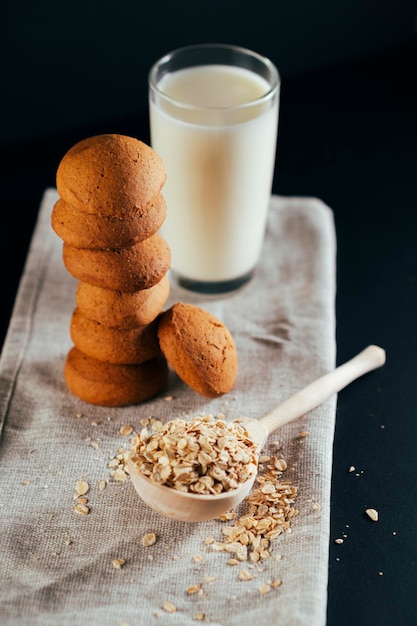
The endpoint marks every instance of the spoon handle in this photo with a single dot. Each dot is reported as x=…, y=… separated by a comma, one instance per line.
x=323, y=388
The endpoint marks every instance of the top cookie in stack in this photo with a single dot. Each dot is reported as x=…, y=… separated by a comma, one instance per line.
x=108, y=216
x=113, y=175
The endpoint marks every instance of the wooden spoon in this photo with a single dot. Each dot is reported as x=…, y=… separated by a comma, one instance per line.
x=191, y=507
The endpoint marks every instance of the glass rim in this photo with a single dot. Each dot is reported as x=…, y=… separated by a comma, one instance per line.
x=274, y=82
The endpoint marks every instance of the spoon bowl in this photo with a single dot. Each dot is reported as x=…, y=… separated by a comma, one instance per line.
x=183, y=505
x=192, y=507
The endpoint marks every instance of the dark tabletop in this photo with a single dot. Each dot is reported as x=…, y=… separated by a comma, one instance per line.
x=347, y=135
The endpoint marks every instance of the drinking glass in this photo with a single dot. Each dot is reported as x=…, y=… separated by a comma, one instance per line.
x=213, y=121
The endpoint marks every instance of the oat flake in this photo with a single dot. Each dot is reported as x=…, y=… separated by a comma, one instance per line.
x=82, y=487
x=148, y=539
x=372, y=514
x=126, y=430
x=169, y=607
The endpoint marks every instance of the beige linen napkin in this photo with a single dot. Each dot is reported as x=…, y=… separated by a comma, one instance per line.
x=60, y=567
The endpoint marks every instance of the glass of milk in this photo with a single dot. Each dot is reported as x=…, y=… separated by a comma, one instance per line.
x=213, y=121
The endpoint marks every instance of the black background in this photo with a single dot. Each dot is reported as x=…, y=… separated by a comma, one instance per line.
x=347, y=135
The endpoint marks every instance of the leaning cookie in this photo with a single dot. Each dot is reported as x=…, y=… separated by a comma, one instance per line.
x=107, y=384
x=95, y=231
x=199, y=348
x=110, y=174
x=139, y=266
x=114, y=345
x=123, y=310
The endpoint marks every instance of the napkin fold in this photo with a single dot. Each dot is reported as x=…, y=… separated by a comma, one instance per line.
x=61, y=566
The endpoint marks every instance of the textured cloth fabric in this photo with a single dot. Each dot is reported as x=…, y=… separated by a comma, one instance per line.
x=56, y=566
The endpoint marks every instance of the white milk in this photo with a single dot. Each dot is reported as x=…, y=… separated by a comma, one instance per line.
x=219, y=164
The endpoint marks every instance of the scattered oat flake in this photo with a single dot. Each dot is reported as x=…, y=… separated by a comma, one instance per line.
x=126, y=430
x=210, y=579
x=352, y=468
x=199, y=617
x=82, y=487
x=338, y=540
x=102, y=485
x=269, y=514
x=245, y=575
x=276, y=583
x=264, y=459
x=169, y=607
x=224, y=517
x=372, y=514
x=281, y=465
x=82, y=509
x=192, y=589
x=120, y=475
x=118, y=563
x=265, y=588
x=26, y=482
x=303, y=433
x=148, y=539
x=198, y=558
